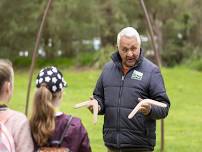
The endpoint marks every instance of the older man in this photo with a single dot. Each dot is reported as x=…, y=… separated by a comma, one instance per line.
x=125, y=81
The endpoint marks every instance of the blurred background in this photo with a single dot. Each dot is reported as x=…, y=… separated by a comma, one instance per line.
x=89, y=27
x=79, y=37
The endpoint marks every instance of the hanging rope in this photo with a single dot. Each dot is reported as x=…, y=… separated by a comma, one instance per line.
x=34, y=56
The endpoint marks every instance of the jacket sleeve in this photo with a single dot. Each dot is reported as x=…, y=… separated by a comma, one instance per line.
x=157, y=92
x=98, y=94
x=85, y=144
x=22, y=136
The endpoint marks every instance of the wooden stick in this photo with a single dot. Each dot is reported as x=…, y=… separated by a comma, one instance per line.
x=82, y=104
x=152, y=102
x=95, y=113
x=151, y=33
x=34, y=56
x=87, y=104
x=158, y=60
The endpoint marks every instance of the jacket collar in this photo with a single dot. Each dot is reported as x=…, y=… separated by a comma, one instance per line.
x=116, y=58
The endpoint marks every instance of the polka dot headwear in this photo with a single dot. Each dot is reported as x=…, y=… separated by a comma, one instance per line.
x=52, y=77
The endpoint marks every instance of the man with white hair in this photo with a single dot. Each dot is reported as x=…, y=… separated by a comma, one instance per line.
x=125, y=81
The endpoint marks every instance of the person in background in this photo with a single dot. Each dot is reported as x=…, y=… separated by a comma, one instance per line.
x=47, y=122
x=15, y=122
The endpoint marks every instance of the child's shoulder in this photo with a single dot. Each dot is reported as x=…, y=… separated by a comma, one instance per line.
x=17, y=117
x=12, y=114
x=16, y=120
x=17, y=114
x=75, y=121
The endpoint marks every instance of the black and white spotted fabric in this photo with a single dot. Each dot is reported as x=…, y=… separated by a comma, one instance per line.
x=52, y=77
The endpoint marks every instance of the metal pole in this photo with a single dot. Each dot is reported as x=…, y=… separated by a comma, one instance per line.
x=158, y=60
x=34, y=56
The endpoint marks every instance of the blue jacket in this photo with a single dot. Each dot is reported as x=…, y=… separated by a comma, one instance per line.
x=118, y=94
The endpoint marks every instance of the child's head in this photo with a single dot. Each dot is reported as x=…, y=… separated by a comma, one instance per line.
x=50, y=84
x=6, y=80
x=50, y=81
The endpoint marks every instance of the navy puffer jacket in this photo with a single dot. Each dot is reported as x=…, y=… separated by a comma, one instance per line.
x=118, y=94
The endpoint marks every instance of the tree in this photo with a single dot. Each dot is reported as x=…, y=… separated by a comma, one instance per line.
x=70, y=22
x=18, y=25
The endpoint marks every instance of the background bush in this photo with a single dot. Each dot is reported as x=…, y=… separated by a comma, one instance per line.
x=104, y=55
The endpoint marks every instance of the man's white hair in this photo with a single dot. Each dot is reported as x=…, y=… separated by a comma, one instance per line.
x=128, y=32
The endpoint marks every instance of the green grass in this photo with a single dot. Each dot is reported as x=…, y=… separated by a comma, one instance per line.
x=182, y=126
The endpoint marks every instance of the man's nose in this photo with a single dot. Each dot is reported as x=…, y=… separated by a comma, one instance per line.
x=130, y=53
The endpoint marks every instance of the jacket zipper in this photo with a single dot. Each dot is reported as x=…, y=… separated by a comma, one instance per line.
x=118, y=112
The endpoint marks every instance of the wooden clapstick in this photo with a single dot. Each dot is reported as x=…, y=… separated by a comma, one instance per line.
x=87, y=104
x=136, y=109
x=82, y=104
x=95, y=112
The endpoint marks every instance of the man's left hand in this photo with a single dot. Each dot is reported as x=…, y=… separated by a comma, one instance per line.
x=145, y=107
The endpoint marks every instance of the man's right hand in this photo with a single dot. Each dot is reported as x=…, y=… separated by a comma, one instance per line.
x=92, y=105
x=92, y=102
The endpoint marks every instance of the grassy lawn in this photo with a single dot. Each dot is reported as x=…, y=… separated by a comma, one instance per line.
x=183, y=131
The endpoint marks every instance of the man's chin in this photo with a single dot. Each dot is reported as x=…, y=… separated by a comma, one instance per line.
x=130, y=64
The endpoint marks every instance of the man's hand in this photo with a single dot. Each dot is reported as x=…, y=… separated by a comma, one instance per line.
x=92, y=102
x=92, y=105
x=145, y=107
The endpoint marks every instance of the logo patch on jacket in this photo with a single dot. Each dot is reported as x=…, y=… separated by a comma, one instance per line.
x=137, y=75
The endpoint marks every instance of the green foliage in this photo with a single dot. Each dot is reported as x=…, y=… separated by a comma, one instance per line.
x=175, y=35
x=71, y=22
x=194, y=63
x=175, y=54
x=86, y=58
x=111, y=19
x=104, y=55
x=19, y=21
x=21, y=62
x=42, y=62
x=197, y=65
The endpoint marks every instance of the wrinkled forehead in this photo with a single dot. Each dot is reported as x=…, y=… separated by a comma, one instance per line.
x=129, y=42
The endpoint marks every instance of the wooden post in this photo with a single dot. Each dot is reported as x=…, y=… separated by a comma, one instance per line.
x=151, y=33
x=158, y=61
x=34, y=56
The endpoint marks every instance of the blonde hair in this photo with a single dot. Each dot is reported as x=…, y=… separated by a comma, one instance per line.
x=6, y=73
x=42, y=121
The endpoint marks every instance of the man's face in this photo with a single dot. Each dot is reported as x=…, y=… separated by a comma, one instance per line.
x=129, y=50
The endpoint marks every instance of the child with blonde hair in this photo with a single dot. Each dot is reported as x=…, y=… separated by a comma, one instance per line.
x=16, y=123
x=49, y=127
